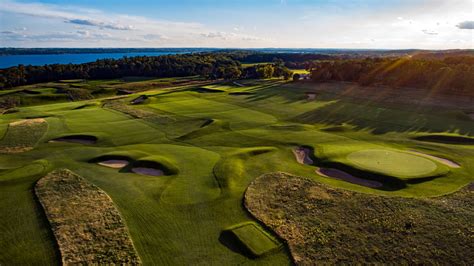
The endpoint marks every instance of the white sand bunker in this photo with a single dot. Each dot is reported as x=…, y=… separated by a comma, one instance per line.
x=341, y=175
x=302, y=155
x=28, y=122
x=116, y=164
x=147, y=171
x=438, y=159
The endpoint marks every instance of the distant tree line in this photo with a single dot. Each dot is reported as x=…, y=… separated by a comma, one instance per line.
x=453, y=74
x=253, y=57
x=265, y=71
x=44, y=51
x=208, y=65
x=215, y=65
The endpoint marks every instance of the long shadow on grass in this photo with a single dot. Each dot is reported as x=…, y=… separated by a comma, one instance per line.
x=380, y=120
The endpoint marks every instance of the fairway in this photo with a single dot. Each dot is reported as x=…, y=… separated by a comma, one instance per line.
x=177, y=165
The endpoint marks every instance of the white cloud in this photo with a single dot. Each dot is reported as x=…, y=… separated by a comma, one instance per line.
x=83, y=33
x=136, y=31
x=466, y=25
x=408, y=24
x=429, y=32
x=102, y=25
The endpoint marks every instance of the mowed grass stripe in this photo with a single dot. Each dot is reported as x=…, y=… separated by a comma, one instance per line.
x=87, y=226
x=25, y=236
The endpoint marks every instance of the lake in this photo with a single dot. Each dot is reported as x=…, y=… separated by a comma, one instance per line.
x=45, y=59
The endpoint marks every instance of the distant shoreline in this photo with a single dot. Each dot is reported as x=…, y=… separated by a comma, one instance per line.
x=6, y=51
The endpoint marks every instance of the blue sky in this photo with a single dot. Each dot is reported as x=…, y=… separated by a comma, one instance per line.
x=392, y=24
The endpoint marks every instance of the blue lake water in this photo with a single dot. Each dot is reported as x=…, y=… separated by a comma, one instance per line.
x=45, y=59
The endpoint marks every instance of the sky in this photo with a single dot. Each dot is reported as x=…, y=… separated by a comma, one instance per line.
x=387, y=24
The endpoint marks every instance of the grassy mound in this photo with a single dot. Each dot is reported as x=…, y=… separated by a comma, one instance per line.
x=325, y=225
x=393, y=163
x=250, y=239
x=23, y=135
x=87, y=226
x=448, y=139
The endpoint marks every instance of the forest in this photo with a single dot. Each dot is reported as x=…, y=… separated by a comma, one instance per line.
x=450, y=74
x=207, y=65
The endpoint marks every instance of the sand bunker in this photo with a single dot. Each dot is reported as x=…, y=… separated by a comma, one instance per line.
x=447, y=139
x=238, y=84
x=302, y=155
x=438, y=159
x=116, y=164
x=28, y=122
x=207, y=123
x=147, y=171
x=341, y=175
x=140, y=99
x=241, y=93
x=81, y=139
x=152, y=168
x=206, y=90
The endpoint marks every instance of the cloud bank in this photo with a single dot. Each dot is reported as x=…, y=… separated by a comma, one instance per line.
x=466, y=25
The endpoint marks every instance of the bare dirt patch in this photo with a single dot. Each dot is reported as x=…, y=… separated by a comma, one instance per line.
x=86, y=224
x=325, y=225
x=302, y=155
x=341, y=175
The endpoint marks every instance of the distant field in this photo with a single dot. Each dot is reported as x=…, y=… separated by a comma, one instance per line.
x=177, y=164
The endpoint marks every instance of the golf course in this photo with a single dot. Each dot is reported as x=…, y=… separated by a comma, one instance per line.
x=168, y=166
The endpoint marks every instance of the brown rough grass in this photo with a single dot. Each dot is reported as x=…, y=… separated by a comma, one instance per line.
x=23, y=135
x=327, y=226
x=87, y=226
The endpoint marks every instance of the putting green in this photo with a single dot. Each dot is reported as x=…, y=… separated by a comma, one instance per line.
x=393, y=163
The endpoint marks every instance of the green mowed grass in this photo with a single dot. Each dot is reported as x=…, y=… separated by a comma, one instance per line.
x=216, y=144
x=251, y=238
x=393, y=163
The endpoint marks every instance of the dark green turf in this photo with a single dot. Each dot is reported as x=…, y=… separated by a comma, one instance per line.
x=214, y=145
